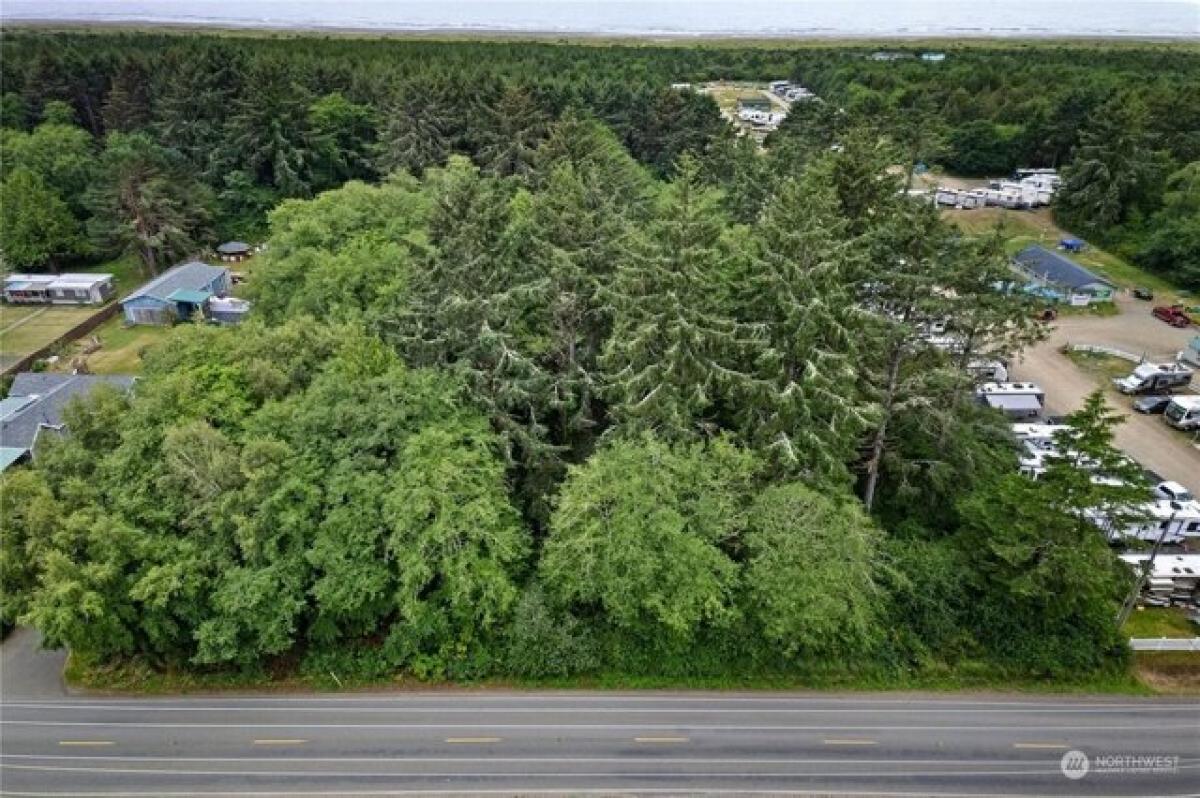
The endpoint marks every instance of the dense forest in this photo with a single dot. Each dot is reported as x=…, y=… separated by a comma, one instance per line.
x=215, y=131
x=550, y=376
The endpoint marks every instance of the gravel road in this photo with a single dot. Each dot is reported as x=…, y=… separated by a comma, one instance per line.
x=1145, y=438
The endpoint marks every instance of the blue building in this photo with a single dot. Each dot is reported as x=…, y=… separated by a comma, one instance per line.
x=1061, y=275
x=175, y=294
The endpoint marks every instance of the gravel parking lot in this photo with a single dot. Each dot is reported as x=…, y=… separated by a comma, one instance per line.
x=1145, y=438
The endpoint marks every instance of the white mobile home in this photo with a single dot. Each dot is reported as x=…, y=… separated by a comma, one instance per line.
x=58, y=289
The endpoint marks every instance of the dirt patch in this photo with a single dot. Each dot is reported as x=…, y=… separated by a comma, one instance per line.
x=1173, y=672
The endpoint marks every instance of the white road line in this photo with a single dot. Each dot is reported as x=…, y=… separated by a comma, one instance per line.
x=541, y=791
x=460, y=708
x=567, y=696
x=617, y=727
x=576, y=710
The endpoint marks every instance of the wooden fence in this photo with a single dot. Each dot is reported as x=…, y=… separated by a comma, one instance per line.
x=82, y=328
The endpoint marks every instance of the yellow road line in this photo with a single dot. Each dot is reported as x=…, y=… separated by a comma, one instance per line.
x=86, y=742
x=1056, y=746
x=660, y=739
x=280, y=742
x=850, y=742
x=468, y=740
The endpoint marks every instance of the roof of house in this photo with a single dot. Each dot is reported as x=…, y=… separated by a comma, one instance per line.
x=10, y=455
x=1055, y=268
x=193, y=275
x=70, y=280
x=37, y=399
x=85, y=280
x=233, y=248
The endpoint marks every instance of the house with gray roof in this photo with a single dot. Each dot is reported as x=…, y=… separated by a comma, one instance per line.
x=175, y=294
x=1062, y=275
x=35, y=404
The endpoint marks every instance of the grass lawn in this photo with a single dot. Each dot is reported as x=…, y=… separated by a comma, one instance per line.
x=1161, y=622
x=1168, y=672
x=120, y=349
x=1105, y=366
x=1022, y=228
x=26, y=329
x=126, y=271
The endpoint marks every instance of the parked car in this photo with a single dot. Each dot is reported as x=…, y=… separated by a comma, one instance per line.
x=1143, y=293
x=1173, y=315
x=1152, y=405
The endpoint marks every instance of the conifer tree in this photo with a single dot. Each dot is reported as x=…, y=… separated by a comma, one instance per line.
x=672, y=356
x=807, y=407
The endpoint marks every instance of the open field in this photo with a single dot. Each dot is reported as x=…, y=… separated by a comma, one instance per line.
x=25, y=329
x=1022, y=228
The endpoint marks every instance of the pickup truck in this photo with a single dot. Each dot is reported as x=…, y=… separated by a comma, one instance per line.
x=1174, y=315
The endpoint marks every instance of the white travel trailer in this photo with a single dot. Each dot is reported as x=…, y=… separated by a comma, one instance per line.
x=1154, y=378
x=1174, y=522
x=1016, y=399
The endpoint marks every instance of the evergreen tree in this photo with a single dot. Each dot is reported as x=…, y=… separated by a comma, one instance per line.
x=143, y=203
x=127, y=106
x=807, y=407
x=672, y=358
x=414, y=134
x=517, y=126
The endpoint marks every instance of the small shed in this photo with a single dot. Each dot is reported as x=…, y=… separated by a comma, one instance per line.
x=234, y=251
x=175, y=294
x=1063, y=274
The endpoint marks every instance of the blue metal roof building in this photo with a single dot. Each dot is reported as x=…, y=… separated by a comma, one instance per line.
x=175, y=294
x=1060, y=272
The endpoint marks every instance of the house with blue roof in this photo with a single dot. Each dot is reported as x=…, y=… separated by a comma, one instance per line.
x=176, y=294
x=1054, y=274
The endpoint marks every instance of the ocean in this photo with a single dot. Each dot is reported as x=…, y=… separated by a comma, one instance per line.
x=801, y=18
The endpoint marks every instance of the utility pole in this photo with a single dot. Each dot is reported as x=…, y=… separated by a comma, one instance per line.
x=1146, y=570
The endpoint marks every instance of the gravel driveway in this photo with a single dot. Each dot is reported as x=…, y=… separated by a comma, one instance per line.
x=1145, y=438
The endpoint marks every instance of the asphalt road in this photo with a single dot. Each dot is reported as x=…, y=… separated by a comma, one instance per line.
x=572, y=743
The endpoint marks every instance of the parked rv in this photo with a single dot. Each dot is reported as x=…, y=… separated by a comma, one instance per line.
x=1154, y=378
x=1183, y=413
x=1172, y=491
x=1016, y=399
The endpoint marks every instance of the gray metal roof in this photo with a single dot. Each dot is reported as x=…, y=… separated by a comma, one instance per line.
x=194, y=275
x=49, y=393
x=1055, y=268
x=233, y=248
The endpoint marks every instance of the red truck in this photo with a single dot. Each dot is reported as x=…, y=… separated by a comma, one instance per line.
x=1174, y=315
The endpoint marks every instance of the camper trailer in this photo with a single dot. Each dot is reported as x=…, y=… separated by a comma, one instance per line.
x=1016, y=399
x=1154, y=378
